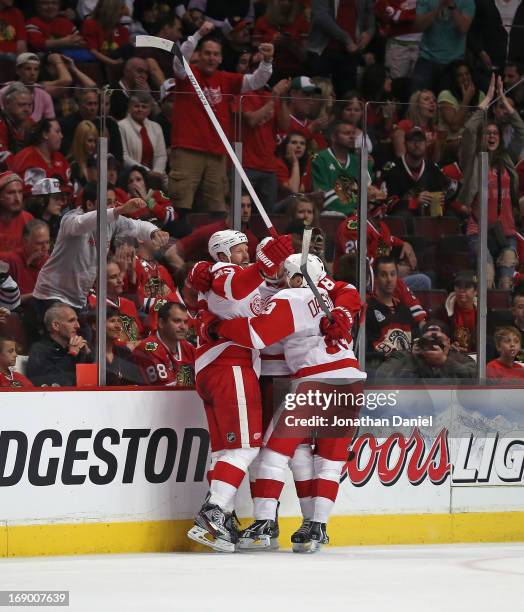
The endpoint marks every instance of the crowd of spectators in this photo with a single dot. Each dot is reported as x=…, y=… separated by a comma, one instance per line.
x=423, y=85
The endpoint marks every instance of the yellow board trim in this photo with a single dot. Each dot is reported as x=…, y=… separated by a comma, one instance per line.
x=169, y=536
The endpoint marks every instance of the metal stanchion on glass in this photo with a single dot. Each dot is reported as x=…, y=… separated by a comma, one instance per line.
x=101, y=246
x=482, y=265
x=362, y=237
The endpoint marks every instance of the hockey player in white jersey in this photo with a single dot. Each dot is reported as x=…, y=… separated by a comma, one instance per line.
x=227, y=380
x=295, y=317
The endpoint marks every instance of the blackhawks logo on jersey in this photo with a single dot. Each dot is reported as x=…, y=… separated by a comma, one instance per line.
x=352, y=224
x=151, y=346
x=129, y=328
x=185, y=376
x=346, y=189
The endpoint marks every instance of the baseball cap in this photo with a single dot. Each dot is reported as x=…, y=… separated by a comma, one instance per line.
x=436, y=326
x=23, y=58
x=46, y=186
x=416, y=133
x=168, y=87
x=465, y=278
x=304, y=83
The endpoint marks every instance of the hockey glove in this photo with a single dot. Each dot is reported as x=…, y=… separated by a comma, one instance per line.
x=339, y=328
x=273, y=254
x=199, y=277
x=204, y=325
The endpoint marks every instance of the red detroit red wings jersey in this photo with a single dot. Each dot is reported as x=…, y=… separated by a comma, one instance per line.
x=196, y=131
x=159, y=366
x=32, y=167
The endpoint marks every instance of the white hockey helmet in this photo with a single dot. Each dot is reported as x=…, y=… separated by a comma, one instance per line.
x=223, y=241
x=315, y=267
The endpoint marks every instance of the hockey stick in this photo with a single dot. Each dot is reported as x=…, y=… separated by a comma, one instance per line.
x=144, y=40
x=306, y=241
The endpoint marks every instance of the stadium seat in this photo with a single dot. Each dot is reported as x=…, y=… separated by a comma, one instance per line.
x=258, y=227
x=396, y=225
x=452, y=243
x=447, y=267
x=431, y=300
x=498, y=299
x=433, y=228
x=94, y=71
x=330, y=225
x=7, y=70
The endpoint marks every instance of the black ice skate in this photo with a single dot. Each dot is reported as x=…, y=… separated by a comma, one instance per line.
x=318, y=535
x=214, y=528
x=260, y=535
x=300, y=539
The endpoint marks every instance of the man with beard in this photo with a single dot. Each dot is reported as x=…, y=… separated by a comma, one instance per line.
x=419, y=184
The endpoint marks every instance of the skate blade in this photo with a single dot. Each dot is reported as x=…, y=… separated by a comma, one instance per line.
x=263, y=543
x=200, y=535
x=306, y=548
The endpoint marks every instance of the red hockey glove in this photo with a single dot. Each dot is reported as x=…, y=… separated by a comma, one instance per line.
x=199, y=276
x=204, y=325
x=339, y=328
x=273, y=254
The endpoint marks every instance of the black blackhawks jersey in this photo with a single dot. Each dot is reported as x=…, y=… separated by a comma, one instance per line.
x=389, y=329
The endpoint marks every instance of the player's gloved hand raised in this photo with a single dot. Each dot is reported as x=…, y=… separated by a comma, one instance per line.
x=199, y=277
x=273, y=254
x=205, y=324
x=339, y=328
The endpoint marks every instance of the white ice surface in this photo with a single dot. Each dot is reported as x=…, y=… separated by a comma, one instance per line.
x=446, y=578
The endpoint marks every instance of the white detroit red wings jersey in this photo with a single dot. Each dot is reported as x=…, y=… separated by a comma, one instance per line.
x=272, y=358
x=294, y=316
x=341, y=294
x=234, y=293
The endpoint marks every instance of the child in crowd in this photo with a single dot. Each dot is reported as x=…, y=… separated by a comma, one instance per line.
x=9, y=378
x=508, y=341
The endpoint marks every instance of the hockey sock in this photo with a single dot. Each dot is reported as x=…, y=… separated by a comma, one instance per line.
x=269, y=484
x=253, y=471
x=228, y=474
x=214, y=458
x=303, y=472
x=325, y=487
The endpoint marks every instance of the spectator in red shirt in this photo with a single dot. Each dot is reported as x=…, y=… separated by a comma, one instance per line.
x=13, y=217
x=26, y=262
x=15, y=121
x=131, y=328
x=166, y=357
x=304, y=112
x=508, y=342
x=294, y=164
x=261, y=118
x=198, y=161
x=48, y=30
x=42, y=158
x=103, y=34
x=13, y=36
x=284, y=25
x=460, y=312
x=303, y=208
x=9, y=378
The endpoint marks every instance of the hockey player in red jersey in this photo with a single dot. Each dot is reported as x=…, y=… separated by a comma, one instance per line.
x=166, y=357
x=294, y=317
x=227, y=380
